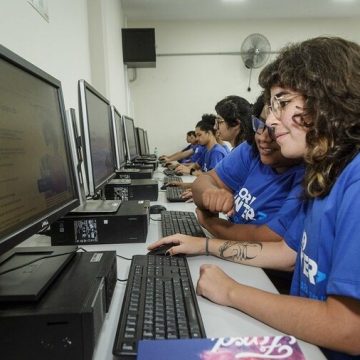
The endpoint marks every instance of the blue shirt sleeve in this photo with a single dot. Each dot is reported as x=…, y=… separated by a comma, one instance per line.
x=233, y=169
x=198, y=153
x=290, y=207
x=216, y=154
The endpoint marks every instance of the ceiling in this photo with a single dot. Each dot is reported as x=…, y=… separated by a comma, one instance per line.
x=190, y=10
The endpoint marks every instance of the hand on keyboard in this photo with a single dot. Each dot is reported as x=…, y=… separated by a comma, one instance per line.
x=187, y=195
x=183, y=244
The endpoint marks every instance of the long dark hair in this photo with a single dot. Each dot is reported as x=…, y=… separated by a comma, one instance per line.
x=326, y=71
x=235, y=110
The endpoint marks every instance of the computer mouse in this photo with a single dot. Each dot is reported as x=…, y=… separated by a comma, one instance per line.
x=162, y=249
x=157, y=209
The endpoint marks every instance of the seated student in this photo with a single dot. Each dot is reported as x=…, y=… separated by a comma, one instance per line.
x=233, y=119
x=185, y=153
x=314, y=88
x=254, y=185
x=214, y=152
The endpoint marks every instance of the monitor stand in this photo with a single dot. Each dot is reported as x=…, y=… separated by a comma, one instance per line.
x=30, y=282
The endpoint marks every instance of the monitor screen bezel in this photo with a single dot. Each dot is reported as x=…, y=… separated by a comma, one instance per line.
x=116, y=137
x=130, y=157
x=93, y=188
x=34, y=226
x=146, y=142
x=141, y=140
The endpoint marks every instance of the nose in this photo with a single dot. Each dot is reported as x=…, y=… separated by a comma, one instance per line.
x=264, y=137
x=271, y=120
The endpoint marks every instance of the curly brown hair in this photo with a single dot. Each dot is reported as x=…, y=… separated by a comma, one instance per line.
x=326, y=71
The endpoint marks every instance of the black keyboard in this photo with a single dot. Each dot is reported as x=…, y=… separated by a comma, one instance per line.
x=183, y=222
x=169, y=172
x=173, y=178
x=159, y=303
x=173, y=194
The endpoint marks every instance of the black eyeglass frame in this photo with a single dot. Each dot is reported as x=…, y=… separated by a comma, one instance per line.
x=259, y=126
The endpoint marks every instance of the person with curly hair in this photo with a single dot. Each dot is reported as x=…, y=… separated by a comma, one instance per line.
x=314, y=94
x=255, y=186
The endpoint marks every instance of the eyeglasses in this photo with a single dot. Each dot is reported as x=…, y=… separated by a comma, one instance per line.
x=278, y=104
x=218, y=120
x=259, y=127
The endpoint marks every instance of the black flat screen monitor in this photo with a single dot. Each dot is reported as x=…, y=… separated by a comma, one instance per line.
x=119, y=137
x=146, y=142
x=130, y=138
x=99, y=156
x=141, y=141
x=36, y=171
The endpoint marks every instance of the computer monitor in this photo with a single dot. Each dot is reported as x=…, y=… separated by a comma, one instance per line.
x=141, y=140
x=77, y=153
x=99, y=156
x=146, y=142
x=130, y=138
x=119, y=137
x=36, y=173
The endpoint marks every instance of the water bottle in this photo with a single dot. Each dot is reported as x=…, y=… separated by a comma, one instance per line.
x=156, y=152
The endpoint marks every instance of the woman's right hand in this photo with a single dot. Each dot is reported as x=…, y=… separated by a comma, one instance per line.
x=183, y=244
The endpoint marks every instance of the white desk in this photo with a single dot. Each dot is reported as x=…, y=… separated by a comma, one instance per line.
x=219, y=321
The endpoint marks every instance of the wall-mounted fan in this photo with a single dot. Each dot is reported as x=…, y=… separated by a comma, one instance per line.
x=255, y=52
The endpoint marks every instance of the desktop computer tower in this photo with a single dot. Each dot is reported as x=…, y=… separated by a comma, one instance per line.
x=134, y=173
x=136, y=189
x=141, y=166
x=128, y=225
x=66, y=321
x=146, y=161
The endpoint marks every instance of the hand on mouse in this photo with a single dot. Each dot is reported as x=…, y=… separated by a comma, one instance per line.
x=183, y=244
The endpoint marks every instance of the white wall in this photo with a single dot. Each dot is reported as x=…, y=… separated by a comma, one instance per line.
x=83, y=40
x=170, y=99
x=65, y=47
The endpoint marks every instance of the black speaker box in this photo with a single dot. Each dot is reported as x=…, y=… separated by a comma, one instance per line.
x=139, y=47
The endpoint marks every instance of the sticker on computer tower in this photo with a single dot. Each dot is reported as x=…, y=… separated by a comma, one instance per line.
x=86, y=231
x=121, y=193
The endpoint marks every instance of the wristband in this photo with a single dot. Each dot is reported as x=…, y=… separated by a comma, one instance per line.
x=207, y=246
x=192, y=170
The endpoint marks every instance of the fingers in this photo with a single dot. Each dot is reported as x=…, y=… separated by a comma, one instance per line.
x=218, y=200
x=165, y=240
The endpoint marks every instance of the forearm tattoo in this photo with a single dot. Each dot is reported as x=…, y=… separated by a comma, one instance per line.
x=239, y=251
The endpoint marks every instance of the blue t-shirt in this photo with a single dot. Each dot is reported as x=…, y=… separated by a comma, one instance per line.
x=199, y=151
x=212, y=157
x=261, y=195
x=328, y=245
x=189, y=158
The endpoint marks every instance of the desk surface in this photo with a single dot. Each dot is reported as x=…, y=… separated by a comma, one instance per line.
x=219, y=321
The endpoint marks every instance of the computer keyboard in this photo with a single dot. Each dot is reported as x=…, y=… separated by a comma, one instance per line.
x=183, y=222
x=159, y=303
x=172, y=178
x=173, y=194
x=169, y=172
